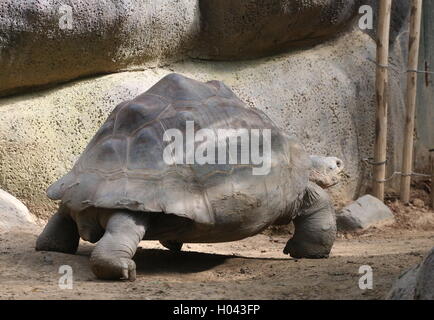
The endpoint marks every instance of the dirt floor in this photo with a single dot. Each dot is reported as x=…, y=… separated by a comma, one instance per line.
x=254, y=268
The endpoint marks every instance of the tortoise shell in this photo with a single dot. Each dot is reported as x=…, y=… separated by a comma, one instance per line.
x=123, y=165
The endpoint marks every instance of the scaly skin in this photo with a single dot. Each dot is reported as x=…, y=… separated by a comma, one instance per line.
x=112, y=256
x=60, y=234
x=326, y=171
x=315, y=226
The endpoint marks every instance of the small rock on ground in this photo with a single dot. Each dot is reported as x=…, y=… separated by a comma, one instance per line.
x=365, y=212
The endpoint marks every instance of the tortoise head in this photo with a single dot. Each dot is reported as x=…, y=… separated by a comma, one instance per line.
x=326, y=171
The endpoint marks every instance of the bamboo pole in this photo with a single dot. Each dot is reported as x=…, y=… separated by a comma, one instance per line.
x=382, y=83
x=413, y=59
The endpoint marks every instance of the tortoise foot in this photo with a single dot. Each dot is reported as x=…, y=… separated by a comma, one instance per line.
x=114, y=268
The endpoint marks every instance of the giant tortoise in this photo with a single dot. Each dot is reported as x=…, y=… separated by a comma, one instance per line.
x=131, y=183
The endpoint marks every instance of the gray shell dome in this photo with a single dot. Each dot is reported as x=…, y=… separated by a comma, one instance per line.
x=123, y=165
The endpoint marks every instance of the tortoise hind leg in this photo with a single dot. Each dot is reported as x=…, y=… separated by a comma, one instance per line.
x=172, y=245
x=112, y=256
x=60, y=234
x=315, y=226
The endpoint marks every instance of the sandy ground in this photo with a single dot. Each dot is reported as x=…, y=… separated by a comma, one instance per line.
x=254, y=268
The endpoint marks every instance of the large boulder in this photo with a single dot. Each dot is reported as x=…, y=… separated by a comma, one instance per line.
x=13, y=213
x=250, y=28
x=43, y=42
x=48, y=41
x=416, y=283
x=365, y=212
x=324, y=95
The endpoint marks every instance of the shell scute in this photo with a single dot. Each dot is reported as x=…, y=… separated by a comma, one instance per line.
x=123, y=165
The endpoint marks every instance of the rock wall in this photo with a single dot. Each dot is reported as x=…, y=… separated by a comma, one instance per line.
x=251, y=28
x=38, y=47
x=324, y=95
x=43, y=42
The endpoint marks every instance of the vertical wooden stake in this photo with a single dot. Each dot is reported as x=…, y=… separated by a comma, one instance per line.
x=382, y=83
x=413, y=58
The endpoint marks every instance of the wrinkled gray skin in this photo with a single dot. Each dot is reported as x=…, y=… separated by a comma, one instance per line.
x=116, y=199
x=325, y=171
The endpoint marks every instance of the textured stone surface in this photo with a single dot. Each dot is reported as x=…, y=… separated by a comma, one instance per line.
x=398, y=17
x=416, y=283
x=325, y=96
x=365, y=212
x=252, y=28
x=106, y=36
x=13, y=213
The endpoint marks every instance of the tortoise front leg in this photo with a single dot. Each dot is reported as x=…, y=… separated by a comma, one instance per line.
x=60, y=234
x=315, y=226
x=112, y=256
